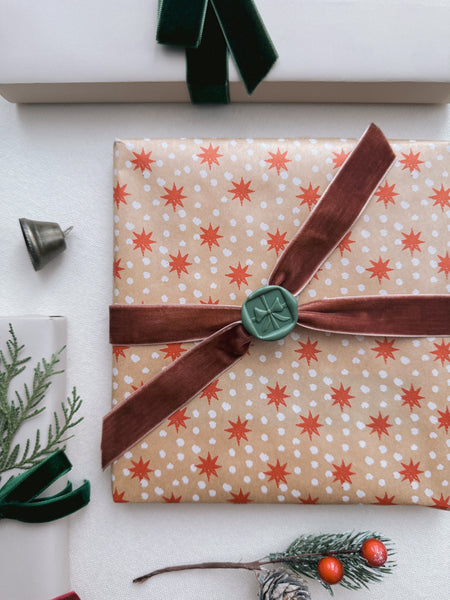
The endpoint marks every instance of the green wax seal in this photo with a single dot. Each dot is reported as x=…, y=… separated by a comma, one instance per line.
x=270, y=313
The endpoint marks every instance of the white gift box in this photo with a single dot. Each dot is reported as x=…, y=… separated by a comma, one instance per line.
x=34, y=558
x=330, y=51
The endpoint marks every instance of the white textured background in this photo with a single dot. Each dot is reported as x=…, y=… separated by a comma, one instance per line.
x=56, y=165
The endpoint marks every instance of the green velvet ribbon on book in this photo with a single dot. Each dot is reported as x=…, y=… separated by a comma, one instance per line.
x=209, y=29
x=20, y=497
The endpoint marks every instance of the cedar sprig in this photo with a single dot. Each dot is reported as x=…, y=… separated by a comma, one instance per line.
x=15, y=411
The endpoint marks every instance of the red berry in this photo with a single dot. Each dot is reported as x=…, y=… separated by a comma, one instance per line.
x=330, y=569
x=374, y=552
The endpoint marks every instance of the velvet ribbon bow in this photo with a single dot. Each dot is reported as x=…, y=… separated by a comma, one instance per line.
x=208, y=29
x=19, y=496
x=224, y=337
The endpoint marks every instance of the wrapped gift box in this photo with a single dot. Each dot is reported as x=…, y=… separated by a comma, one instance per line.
x=314, y=417
x=38, y=551
x=105, y=51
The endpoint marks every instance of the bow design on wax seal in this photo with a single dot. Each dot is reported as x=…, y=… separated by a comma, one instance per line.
x=227, y=331
x=209, y=29
x=20, y=497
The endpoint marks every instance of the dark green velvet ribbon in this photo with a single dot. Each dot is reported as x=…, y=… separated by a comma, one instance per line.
x=20, y=496
x=209, y=29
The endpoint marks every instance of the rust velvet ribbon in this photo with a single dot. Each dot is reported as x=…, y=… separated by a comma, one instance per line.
x=223, y=338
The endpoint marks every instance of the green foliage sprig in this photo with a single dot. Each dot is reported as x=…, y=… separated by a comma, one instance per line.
x=16, y=408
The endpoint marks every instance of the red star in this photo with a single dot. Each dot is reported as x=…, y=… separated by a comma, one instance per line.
x=441, y=197
x=117, y=268
x=444, y=419
x=411, y=472
x=341, y=396
x=277, y=241
x=210, y=155
x=308, y=351
x=120, y=193
x=179, y=264
x=411, y=161
x=119, y=351
x=411, y=397
x=278, y=161
x=210, y=301
x=178, y=418
x=385, y=349
x=385, y=500
x=344, y=244
x=240, y=498
x=242, y=191
x=238, y=275
x=173, y=351
x=412, y=241
x=238, y=430
x=380, y=269
x=210, y=236
x=173, y=499
x=143, y=241
x=339, y=158
x=441, y=502
x=136, y=387
x=379, y=425
x=309, y=500
x=309, y=196
x=211, y=391
x=276, y=395
x=174, y=197
x=442, y=352
x=310, y=425
x=444, y=264
x=342, y=472
x=277, y=473
x=142, y=161
x=208, y=466
x=140, y=469
x=118, y=496
x=386, y=194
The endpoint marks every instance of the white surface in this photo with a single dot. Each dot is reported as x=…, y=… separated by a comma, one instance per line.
x=56, y=164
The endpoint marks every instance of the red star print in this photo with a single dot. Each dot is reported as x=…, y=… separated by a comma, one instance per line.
x=211, y=391
x=309, y=196
x=339, y=158
x=441, y=197
x=380, y=269
x=444, y=419
x=310, y=425
x=141, y=469
x=118, y=496
x=120, y=193
x=411, y=397
x=308, y=351
x=117, y=268
x=411, y=161
x=143, y=241
x=344, y=244
x=238, y=275
x=386, y=194
x=208, y=466
x=309, y=500
x=174, y=197
x=277, y=241
x=278, y=161
x=242, y=191
x=240, y=497
x=210, y=301
x=385, y=349
x=444, y=264
x=173, y=351
x=142, y=161
x=210, y=155
x=342, y=472
x=173, y=499
x=379, y=425
x=178, y=418
x=385, y=500
x=179, y=264
x=341, y=396
x=412, y=241
x=277, y=473
x=411, y=472
x=210, y=236
x=238, y=430
x=276, y=395
x=442, y=352
x=136, y=387
x=119, y=351
x=441, y=502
